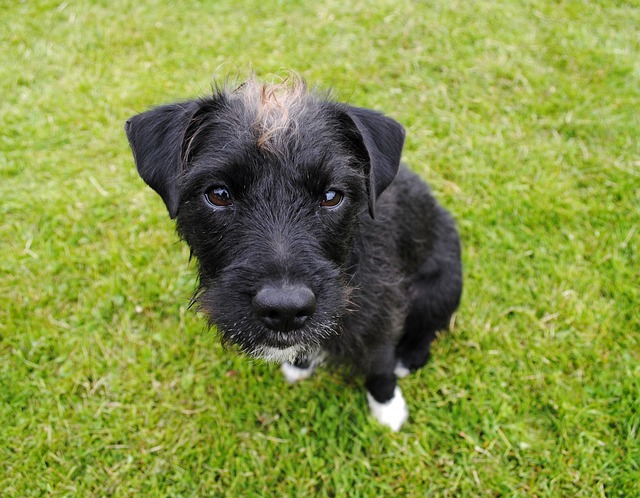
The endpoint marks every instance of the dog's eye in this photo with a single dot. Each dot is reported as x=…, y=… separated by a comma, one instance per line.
x=331, y=198
x=219, y=196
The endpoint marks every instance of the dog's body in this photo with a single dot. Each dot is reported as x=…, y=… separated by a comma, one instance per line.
x=302, y=257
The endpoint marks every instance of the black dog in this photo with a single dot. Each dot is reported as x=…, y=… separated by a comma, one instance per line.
x=312, y=242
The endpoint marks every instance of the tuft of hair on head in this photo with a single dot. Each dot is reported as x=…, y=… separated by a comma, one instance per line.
x=274, y=107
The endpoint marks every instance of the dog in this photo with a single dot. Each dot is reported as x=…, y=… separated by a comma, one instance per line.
x=313, y=243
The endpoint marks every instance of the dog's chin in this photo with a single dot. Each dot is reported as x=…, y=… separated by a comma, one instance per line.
x=278, y=355
x=262, y=343
x=284, y=347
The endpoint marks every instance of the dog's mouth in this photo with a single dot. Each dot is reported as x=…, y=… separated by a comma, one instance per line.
x=260, y=342
x=281, y=355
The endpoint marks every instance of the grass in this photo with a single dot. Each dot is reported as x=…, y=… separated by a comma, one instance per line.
x=524, y=118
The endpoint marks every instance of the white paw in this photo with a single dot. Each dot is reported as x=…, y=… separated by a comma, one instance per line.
x=295, y=374
x=392, y=413
x=401, y=371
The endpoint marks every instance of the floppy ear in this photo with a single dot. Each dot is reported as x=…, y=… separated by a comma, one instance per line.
x=383, y=139
x=156, y=139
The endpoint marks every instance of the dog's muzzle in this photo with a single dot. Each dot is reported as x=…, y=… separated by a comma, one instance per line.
x=284, y=308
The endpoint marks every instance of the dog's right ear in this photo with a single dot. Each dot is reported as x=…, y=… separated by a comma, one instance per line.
x=156, y=139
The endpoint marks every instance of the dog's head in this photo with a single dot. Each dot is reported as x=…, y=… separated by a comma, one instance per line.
x=267, y=184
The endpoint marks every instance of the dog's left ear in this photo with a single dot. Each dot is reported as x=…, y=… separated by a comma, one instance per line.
x=156, y=139
x=383, y=139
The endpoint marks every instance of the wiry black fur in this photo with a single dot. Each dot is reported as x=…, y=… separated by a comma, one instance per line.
x=384, y=265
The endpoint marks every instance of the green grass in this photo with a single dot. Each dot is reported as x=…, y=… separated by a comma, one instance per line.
x=524, y=117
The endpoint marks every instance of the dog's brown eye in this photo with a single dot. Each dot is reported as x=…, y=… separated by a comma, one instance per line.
x=219, y=196
x=331, y=198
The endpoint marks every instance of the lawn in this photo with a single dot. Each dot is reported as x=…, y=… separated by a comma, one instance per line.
x=523, y=115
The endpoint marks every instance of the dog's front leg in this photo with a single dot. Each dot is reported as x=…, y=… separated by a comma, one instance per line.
x=383, y=394
x=297, y=371
x=302, y=368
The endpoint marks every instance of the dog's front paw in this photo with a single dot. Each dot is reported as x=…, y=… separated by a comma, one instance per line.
x=392, y=413
x=401, y=371
x=295, y=374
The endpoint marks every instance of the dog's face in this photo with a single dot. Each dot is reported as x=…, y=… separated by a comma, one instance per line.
x=267, y=184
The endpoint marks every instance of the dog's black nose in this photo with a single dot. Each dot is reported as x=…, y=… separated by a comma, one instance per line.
x=284, y=308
